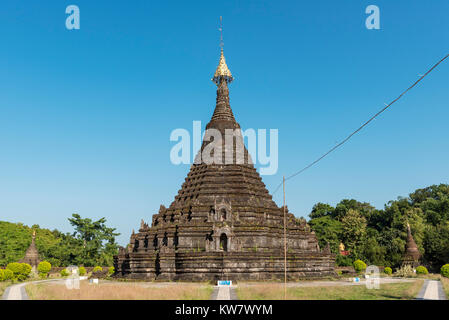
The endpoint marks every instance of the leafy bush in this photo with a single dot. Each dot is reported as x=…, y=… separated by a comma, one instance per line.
x=388, y=270
x=343, y=261
x=25, y=270
x=44, y=268
x=6, y=274
x=359, y=265
x=20, y=271
x=445, y=270
x=64, y=273
x=82, y=271
x=421, y=270
x=97, y=269
x=405, y=271
x=111, y=270
x=14, y=267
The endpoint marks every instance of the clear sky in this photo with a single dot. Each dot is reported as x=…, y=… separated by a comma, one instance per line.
x=86, y=115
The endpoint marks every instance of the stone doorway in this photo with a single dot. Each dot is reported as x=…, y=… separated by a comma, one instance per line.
x=223, y=214
x=224, y=242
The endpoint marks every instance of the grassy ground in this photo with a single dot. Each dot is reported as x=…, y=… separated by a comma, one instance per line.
x=445, y=282
x=391, y=291
x=127, y=291
x=3, y=286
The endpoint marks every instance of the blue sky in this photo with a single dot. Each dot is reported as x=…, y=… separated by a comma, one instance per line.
x=86, y=114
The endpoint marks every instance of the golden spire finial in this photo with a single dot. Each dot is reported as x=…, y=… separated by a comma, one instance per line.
x=222, y=72
x=221, y=33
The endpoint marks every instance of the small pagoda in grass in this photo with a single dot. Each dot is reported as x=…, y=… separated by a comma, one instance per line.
x=32, y=255
x=411, y=255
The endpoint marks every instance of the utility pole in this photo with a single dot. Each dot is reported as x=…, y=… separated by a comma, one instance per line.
x=285, y=244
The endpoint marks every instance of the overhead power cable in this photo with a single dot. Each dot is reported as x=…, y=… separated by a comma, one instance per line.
x=361, y=127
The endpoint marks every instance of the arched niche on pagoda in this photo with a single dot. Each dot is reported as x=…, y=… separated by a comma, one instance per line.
x=221, y=212
x=223, y=234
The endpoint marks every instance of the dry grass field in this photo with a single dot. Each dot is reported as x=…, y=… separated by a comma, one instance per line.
x=119, y=291
x=3, y=285
x=390, y=291
x=445, y=282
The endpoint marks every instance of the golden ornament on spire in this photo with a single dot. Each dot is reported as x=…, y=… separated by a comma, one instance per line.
x=222, y=72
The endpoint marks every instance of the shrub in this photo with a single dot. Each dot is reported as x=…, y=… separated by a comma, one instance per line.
x=8, y=274
x=20, y=271
x=64, y=273
x=445, y=270
x=82, y=271
x=359, y=265
x=44, y=268
x=14, y=267
x=388, y=270
x=25, y=270
x=111, y=270
x=97, y=269
x=343, y=261
x=421, y=270
x=405, y=271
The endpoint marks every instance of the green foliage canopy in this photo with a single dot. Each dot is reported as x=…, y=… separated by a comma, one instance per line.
x=378, y=236
x=98, y=240
x=92, y=243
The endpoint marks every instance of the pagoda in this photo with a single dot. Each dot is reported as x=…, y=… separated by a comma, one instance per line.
x=223, y=223
x=411, y=255
x=32, y=255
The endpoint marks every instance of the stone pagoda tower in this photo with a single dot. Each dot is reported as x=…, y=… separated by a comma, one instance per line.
x=411, y=255
x=32, y=255
x=223, y=223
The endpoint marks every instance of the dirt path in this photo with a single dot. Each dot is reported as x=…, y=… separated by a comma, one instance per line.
x=18, y=292
x=431, y=290
x=224, y=293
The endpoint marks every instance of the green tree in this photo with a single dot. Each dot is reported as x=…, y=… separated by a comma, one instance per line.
x=342, y=208
x=327, y=230
x=321, y=210
x=98, y=240
x=436, y=244
x=354, y=231
x=373, y=252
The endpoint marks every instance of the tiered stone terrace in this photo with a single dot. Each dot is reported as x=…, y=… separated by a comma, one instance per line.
x=223, y=223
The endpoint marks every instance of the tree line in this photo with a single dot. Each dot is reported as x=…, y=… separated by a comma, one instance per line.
x=91, y=244
x=375, y=236
x=378, y=236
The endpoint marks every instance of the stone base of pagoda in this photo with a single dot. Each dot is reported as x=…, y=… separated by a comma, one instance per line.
x=212, y=266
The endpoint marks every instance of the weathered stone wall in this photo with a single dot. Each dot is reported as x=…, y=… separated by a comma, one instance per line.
x=202, y=266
